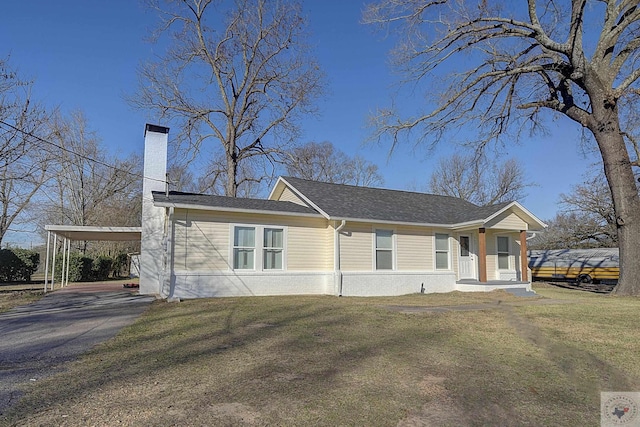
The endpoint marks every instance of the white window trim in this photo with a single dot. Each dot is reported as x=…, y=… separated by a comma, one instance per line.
x=435, y=251
x=258, y=261
x=394, y=249
x=508, y=254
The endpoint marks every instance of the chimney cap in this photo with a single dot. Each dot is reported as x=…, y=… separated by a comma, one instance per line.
x=155, y=128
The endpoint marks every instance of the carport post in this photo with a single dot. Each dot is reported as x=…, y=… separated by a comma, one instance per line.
x=46, y=263
x=64, y=261
x=68, y=257
x=53, y=261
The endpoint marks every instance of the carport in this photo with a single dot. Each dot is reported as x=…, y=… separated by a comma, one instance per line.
x=69, y=233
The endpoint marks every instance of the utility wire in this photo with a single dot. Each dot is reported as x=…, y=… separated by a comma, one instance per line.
x=100, y=162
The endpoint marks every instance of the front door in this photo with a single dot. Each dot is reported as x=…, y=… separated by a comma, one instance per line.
x=466, y=260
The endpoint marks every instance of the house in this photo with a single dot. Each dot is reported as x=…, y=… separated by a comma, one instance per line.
x=318, y=238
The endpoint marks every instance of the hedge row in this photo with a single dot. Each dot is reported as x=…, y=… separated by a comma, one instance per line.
x=18, y=264
x=85, y=269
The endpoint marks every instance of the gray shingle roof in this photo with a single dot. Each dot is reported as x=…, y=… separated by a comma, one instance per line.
x=206, y=200
x=376, y=204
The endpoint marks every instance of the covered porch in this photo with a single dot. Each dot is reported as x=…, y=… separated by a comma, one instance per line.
x=492, y=253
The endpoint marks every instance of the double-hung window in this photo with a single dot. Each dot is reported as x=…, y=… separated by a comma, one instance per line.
x=244, y=248
x=258, y=248
x=442, y=251
x=503, y=253
x=384, y=250
x=273, y=248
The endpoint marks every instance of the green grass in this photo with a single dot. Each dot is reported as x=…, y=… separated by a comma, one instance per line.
x=10, y=297
x=350, y=361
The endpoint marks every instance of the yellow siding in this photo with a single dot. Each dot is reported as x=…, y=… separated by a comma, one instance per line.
x=310, y=247
x=202, y=240
x=492, y=254
x=455, y=252
x=508, y=221
x=289, y=196
x=492, y=258
x=356, y=247
x=200, y=244
x=414, y=248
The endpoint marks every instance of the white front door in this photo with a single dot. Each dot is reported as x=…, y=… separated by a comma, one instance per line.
x=466, y=260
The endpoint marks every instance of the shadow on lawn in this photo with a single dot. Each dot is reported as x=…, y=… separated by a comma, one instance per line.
x=331, y=358
x=246, y=350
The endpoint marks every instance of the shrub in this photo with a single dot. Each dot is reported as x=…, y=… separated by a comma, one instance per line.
x=80, y=268
x=101, y=268
x=120, y=265
x=18, y=264
x=84, y=269
x=30, y=260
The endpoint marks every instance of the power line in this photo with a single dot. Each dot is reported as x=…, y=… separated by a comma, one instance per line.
x=83, y=156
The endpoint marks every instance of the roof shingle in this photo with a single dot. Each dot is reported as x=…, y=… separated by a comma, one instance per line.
x=341, y=201
x=238, y=203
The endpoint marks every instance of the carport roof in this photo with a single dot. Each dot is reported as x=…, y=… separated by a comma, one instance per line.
x=113, y=234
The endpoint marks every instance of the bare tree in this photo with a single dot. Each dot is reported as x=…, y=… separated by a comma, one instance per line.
x=87, y=187
x=577, y=59
x=237, y=72
x=591, y=202
x=321, y=161
x=23, y=160
x=478, y=180
x=573, y=230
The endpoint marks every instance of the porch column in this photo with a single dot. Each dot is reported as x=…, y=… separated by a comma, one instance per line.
x=482, y=254
x=524, y=265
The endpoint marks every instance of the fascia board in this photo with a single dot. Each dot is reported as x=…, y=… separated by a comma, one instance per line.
x=236, y=210
x=303, y=197
x=379, y=221
x=275, y=187
x=531, y=216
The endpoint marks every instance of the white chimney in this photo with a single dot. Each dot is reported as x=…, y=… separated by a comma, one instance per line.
x=152, y=245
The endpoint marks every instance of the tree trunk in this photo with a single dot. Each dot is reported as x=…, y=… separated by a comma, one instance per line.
x=232, y=175
x=617, y=168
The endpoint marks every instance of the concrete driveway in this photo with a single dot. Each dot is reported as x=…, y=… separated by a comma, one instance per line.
x=36, y=340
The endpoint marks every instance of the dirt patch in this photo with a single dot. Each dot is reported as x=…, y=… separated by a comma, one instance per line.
x=407, y=309
x=233, y=414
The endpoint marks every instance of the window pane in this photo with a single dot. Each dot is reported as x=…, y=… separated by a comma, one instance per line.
x=243, y=259
x=503, y=244
x=384, y=239
x=273, y=237
x=503, y=261
x=442, y=260
x=464, y=246
x=384, y=260
x=273, y=259
x=244, y=236
x=442, y=242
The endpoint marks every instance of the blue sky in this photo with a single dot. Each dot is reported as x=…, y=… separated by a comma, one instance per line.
x=83, y=55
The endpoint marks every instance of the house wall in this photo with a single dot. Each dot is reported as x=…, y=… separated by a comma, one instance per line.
x=289, y=196
x=508, y=221
x=414, y=246
x=202, y=257
x=203, y=251
x=493, y=272
x=414, y=254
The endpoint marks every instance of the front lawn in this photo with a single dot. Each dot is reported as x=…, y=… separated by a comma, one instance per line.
x=329, y=361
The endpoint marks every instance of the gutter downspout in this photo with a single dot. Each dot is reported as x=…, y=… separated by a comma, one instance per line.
x=167, y=262
x=336, y=256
